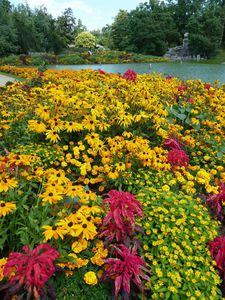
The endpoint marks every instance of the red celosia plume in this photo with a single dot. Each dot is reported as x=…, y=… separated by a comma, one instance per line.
x=126, y=268
x=130, y=75
x=178, y=158
x=32, y=268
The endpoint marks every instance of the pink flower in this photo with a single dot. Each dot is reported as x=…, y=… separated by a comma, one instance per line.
x=32, y=268
x=130, y=75
x=126, y=268
x=178, y=158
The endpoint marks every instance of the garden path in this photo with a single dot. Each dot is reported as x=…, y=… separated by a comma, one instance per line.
x=4, y=79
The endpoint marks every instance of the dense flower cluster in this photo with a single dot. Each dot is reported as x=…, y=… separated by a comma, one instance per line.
x=66, y=138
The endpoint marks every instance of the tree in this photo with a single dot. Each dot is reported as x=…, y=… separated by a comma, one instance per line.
x=152, y=29
x=120, y=30
x=8, y=36
x=85, y=40
x=67, y=25
x=25, y=27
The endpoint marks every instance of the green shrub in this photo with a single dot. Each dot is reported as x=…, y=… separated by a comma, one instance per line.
x=72, y=59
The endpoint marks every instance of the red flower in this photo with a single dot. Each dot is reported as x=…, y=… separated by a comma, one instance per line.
x=178, y=158
x=182, y=88
x=172, y=144
x=130, y=75
x=190, y=100
x=127, y=267
x=217, y=250
x=32, y=268
x=120, y=220
x=101, y=71
x=215, y=202
x=207, y=86
x=40, y=73
x=123, y=206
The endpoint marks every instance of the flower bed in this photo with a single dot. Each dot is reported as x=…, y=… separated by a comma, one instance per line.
x=116, y=183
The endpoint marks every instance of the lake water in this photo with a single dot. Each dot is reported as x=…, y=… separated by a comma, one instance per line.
x=205, y=72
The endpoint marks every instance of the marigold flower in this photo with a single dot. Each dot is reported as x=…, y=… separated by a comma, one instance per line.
x=90, y=278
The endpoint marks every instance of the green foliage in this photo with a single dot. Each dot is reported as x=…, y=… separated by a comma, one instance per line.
x=85, y=40
x=73, y=287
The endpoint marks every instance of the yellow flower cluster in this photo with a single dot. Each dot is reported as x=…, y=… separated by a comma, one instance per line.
x=177, y=229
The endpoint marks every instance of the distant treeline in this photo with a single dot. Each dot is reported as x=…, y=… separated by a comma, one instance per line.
x=150, y=28
x=23, y=29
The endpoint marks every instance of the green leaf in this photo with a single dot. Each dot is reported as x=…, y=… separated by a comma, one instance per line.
x=219, y=154
x=181, y=116
x=168, y=295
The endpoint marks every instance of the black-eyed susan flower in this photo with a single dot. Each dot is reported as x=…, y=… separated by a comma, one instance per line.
x=7, y=183
x=6, y=208
x=52, y=232
x=52, y=135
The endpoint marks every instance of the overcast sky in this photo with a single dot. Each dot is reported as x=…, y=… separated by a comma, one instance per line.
x=93, y=13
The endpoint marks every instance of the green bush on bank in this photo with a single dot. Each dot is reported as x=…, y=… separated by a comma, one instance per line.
x=77, y=58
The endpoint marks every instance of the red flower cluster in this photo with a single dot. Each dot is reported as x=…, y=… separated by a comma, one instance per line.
x=178, y=158
x=217, y=250
x=32, y=268
x=190, y=100
x=120, y=220
x=207, y=86
x=40, y=73
x=127, y=267
x=215, y=202
x=182, y=88
x=101, y=71
x=130, y=75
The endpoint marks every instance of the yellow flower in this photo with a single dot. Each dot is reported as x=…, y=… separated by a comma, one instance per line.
x=6, y=208
x=7, y=183
x=79, y=245
x=2, y=265
x=52, y=136
x=52, y=232
x=85, y=230
x=90, y=278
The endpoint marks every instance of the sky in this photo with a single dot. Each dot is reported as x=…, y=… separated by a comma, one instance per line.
x=94, y=13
